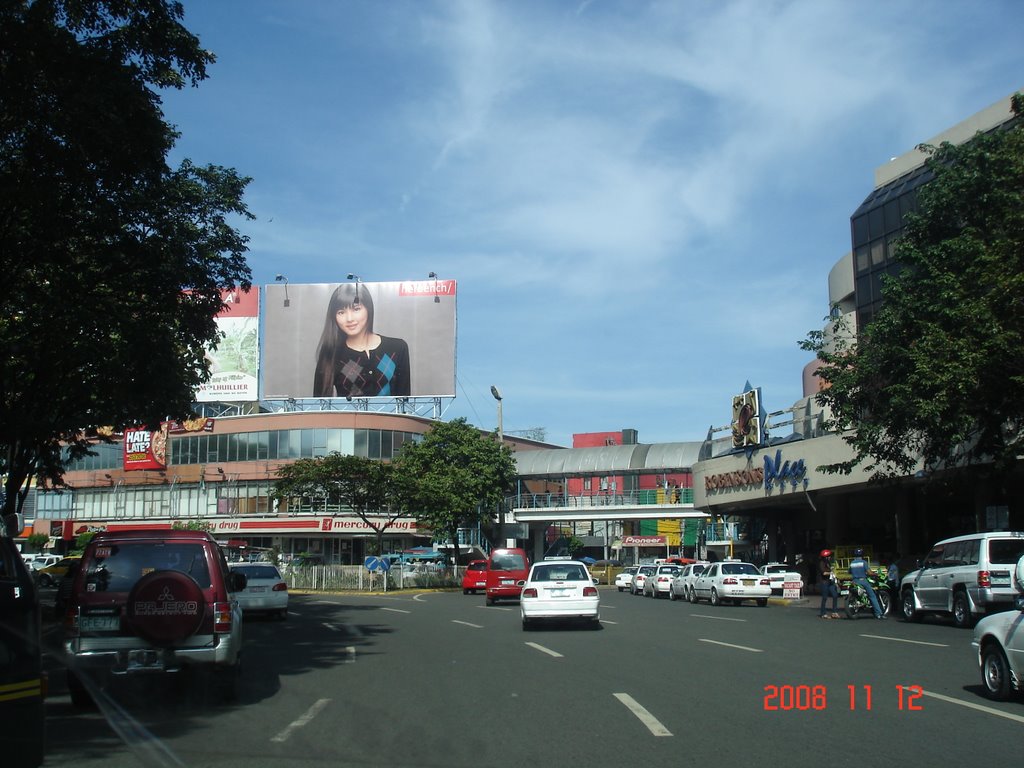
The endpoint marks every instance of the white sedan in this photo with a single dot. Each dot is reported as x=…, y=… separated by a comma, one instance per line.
x=659, y=582
x=682, y=584
x=732, y=581
x=781, y=574
x=625, y=579
x=999, y=643
x=560, y=589
x=265, y=591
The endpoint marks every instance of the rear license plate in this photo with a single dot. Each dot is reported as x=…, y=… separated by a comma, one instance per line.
x=100, y=623
x=1000, y=579
x=558, y=592
x=748, y=582
x=508, y=581
x=257, y=589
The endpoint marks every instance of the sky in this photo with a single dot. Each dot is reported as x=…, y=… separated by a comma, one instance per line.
x=640, y=201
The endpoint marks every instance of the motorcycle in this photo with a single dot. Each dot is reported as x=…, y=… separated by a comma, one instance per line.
x=857, y=600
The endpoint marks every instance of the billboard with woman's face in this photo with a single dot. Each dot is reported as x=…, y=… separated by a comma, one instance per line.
x=359, y=340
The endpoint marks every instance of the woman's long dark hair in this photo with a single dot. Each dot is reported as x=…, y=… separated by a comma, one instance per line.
x=332, y=338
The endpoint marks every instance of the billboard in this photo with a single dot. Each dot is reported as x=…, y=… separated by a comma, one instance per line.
x=359, y=339
x=144, y=449
x=234, y=360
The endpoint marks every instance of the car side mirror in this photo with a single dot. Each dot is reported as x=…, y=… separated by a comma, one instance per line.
x=237, y=581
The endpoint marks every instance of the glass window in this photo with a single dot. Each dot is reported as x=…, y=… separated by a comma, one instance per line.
x=860, y=230
x=262, y=445
x=386, y=438
x=361, y=443
x=334, y=440
x=348, y=442
x=307, y=443
x=892, y=216
x=877, y=253
x=1005, y=551
x=863, y=259
x=319, y=442
x=373, y=448
x=876, y=223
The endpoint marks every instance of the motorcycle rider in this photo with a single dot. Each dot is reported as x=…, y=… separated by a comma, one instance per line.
x=859, y=570
x=829, y=588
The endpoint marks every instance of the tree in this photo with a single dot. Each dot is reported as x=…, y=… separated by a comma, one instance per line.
x=938, y=376
x=454, y=476
x=364, y=485
x=37, y=541
x=112, y=261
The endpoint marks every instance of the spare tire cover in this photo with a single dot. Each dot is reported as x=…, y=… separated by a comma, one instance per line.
x=166, y=607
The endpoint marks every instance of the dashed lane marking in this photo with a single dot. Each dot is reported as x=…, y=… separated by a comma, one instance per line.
x=902, y=640
x=731, y=645
x=968, y=704
x=300, y=722
x=645, y=717
x=548, y=651
x=467, y=624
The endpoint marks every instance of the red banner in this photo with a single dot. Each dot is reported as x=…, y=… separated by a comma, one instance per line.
x=144, y=449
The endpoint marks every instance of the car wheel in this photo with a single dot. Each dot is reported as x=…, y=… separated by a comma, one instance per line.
x=671, y=594
x=910, y=612
x=283, y=615
x=692, y=596
x=527, y=625
x=621, y=588
x=465, y=591
x=762, y=601
x=962, y=616
x=80, y=697
x=715, y=599
x=995, y=673
x=45, y=580
x=490, y=601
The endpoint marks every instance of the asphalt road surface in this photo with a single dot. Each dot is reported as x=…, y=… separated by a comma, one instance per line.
x=440, y=679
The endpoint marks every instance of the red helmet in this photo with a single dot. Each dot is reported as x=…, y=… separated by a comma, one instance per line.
x=826, y=553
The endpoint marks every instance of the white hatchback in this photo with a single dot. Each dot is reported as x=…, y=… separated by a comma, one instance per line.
x=560, y=589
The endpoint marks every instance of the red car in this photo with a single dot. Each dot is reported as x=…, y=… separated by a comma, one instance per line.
x=475, y=577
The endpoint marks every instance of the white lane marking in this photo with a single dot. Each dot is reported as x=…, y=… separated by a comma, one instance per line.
x=968, y=704
x=720, y=618
x=495, y=608
x=310, y=714
x=731, y=645
x=467, y=624
x=548, y=651
x=395, y=610
x=333, y=628
x=605, y=621
x=419, y=596
x=351, y=651
x=901, y=640
x=645, y=717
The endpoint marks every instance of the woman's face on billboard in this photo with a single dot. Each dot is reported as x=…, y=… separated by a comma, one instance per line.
x=352, y=319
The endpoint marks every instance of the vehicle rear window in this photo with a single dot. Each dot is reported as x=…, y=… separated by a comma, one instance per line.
x=258, y=571
x=478, y=566
x=735, y=569
x=509, y=562
x=559, y=573
x=1005, y=551
x=116, y=567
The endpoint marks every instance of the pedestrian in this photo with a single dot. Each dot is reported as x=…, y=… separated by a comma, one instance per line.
x=828, y=586
x=859, y=570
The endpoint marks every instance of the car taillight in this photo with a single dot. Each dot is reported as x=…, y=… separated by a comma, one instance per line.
x=222, y=617
x=766, y=582
x=664, y=578
x=529, y=592
x=730, y=580
x=590, y=591
x=984, y=579
x=280, y=587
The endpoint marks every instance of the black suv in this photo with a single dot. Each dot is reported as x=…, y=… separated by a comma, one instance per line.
x=22, y=685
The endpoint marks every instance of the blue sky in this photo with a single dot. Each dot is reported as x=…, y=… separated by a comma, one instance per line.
x=641, y=201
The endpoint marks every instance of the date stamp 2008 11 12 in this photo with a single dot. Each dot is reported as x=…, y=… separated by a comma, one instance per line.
x=815, y=697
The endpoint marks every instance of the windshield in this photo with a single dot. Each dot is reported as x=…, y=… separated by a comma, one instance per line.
x=116, y=567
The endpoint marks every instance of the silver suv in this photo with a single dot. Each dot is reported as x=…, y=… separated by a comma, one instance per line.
x=966, y=577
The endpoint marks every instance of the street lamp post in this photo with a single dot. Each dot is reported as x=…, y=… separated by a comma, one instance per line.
x=496, y=394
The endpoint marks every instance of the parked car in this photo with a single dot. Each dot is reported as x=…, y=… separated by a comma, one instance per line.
x=999, y=644
x=659, y=582
x=625, y=578
x=153, y=602
x=506, y=570
x=561, y=590
x=474, y=577
x=22, y=681
x=732, y=581
x=682, y=583
x=43, y=561
x=51, y=575
x=637, y=586
x=265, y=590
x=964, y=577
x=779, y=574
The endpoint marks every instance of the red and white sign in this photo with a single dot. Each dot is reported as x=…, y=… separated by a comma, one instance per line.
x=144, y=449
x=644, y=541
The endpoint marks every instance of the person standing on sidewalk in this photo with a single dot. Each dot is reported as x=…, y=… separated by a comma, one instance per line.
x=859, y=570
x=828, y=586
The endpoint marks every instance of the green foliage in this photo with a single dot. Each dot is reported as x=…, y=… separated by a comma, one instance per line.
x=81, y=540
x=453, y=477
x=37, y=541
x=112, y=261
x=366, y=486
x=938, y=375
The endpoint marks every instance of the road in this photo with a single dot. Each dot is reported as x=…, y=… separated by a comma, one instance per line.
x=440, y=679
